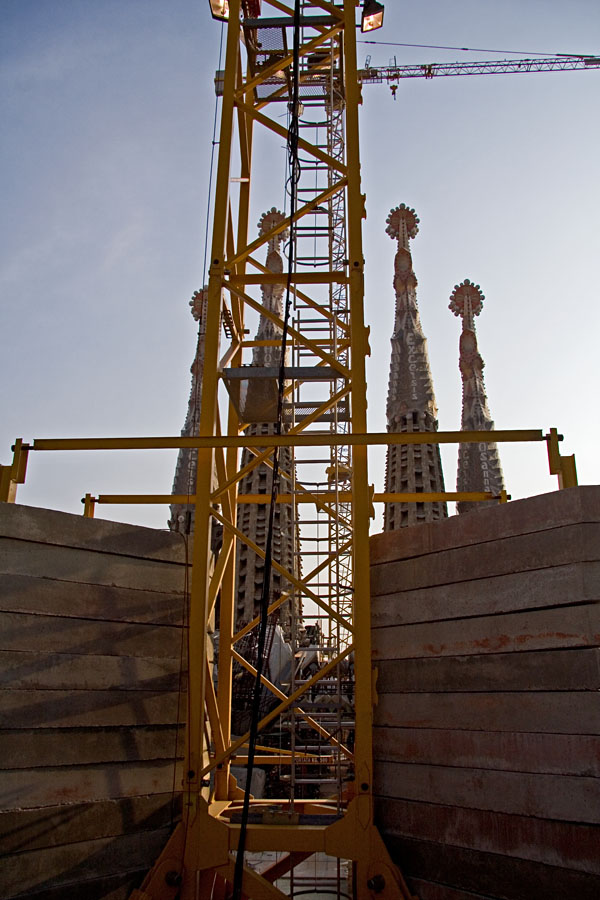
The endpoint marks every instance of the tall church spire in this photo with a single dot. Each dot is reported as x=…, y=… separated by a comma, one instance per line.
x=184, y=481
x=479, y=467
x=411, y=401
x=252, y=518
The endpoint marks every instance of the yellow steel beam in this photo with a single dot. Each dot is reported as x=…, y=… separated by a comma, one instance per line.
x=285, y=223
x=317, y=307
x=253, y=884
x=284, y=63
x=220, y=568
x=286, y=595
x=14, y=474
x=308, y=497
x=281, y=696
x=279, y=709
x=89, y=506
x=296, y=278
x=297, y=335
x=282, y=132
x=291, y=439
x=263, y=457
x=268, y=759
x=280, y=838
x=281, y=7
x=201, y=549
x=305, y=77
x=361, y=504
x=563, y=466
x=289, y=576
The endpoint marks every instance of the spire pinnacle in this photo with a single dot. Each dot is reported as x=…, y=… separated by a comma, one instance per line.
x=402, y=224
x=479, y=466
x=269, y=220
x=466, y=301
x=198, y=307
x=411, y=400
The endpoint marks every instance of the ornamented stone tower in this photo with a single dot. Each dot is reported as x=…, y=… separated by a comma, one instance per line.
x=185, y=470
x=479, y=467
x=252, y=518
x=411, y=401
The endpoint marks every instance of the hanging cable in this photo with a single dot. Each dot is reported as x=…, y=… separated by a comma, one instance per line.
x=212, y=158
x=475, y=49
x=292, y=149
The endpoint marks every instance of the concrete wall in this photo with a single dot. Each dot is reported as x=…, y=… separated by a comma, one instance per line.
x=90, y=648
x=486, y=630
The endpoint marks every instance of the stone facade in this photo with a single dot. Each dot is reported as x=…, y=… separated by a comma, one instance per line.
x=479, y=467
x=411, y=403
x=185, y=471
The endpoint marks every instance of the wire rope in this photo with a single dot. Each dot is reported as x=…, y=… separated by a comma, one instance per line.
x=212, y=160
x=475, y=49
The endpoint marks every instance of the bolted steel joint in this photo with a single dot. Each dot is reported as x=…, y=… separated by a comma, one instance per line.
x=173, y=878
x=376, y=884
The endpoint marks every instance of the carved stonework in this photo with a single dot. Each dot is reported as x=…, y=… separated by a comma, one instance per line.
x=253, y=519
x=479, y=467
x=185, y=471
x=411, y=407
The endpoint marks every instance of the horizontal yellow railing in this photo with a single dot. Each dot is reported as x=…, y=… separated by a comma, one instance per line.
x=14, y=474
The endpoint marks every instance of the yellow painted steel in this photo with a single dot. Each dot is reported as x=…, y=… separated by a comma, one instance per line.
x=310, y=497
x=563, y=466
x=14, y=474
x=377, y=438
x=89, y=505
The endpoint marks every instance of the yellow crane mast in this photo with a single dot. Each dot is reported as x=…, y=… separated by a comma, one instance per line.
x=316, y=83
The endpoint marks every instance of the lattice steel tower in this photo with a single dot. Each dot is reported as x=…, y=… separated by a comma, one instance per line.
x=252, y=517
x=410, y=468
x=479, y=467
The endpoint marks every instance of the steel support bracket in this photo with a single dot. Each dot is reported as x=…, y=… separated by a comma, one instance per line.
x=14, y=474
x=375, y=873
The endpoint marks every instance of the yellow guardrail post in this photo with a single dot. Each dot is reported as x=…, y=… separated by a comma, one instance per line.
x=562, y=466
x=89, y=506
x=14, y=474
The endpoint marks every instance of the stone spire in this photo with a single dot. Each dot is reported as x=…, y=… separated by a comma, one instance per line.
x=479, y=467
x=411, y=401
x=252, y=519
x=185, y=470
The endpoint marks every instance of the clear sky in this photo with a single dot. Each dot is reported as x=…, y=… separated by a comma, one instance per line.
x=107, y=112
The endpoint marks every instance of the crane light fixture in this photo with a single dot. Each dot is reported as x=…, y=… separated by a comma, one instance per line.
x=219, y=9
x=372, y=16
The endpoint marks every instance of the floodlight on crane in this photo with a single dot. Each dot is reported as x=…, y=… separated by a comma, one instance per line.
x=372, y=16
x=219, y=9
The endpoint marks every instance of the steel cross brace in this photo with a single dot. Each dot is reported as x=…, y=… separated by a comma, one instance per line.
x=198, y=859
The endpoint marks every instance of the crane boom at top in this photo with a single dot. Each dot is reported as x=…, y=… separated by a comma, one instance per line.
x=378, y=74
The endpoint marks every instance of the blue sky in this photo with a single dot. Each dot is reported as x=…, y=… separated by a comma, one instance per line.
x=107, y=112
